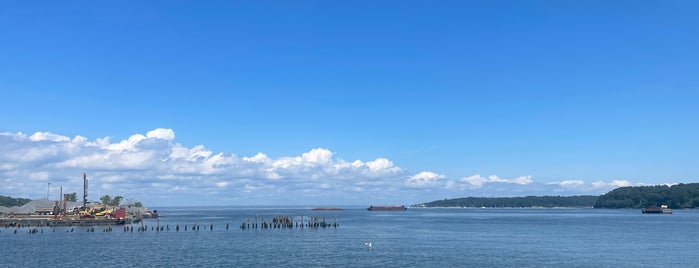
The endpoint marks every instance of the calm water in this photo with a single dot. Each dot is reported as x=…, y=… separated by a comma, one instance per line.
x=413, y=238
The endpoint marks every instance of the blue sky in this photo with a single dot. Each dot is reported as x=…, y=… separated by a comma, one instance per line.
x=337, y=102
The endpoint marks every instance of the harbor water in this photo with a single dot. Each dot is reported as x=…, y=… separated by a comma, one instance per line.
x=418, y=237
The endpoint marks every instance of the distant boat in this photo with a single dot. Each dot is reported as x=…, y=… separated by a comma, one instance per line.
x=386, y=208
x=657, y=210
x=147, y=214
x=327, y=208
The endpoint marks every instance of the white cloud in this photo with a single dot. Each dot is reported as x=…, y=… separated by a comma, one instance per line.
x=318, y=155
x=380, y=164
x=143, y=164
x=614, y=183
x=248, y=188
x=161, y=133
x=425, y=178
x=476, y=181
x=568, y=183
x=39, y=176
x=222, y=184
x=523, y=180
x=153, y=166
x=620, y=183
x=48, y=136
x=258, y=158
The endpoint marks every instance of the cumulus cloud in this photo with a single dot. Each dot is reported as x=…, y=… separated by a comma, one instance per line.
x=161, y=133
x=477, y=181
x=614, y=183
x=425, y=178
x=155, y=167
x=568, y=183
x=143, y=164
x=47, y=136
x=478, y=185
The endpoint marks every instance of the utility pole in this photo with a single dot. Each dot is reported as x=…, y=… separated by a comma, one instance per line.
x=84, y=190
x=62, y=199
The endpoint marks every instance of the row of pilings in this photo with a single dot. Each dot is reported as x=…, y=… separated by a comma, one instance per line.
x=286, y=222
x=20, y=224
x=275, y=222
x=37, y=230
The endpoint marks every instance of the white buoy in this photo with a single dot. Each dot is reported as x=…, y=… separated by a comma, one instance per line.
x=369, y=244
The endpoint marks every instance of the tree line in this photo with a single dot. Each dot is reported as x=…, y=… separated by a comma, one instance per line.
x=515, y=202
x=108, y=200
x=675, y=196
x=7, y=201
x=116, y=201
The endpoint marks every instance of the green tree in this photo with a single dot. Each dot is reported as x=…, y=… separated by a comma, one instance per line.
x=106, y=199
x=13, y=202
x=71, y=197
x=137, y=204
x=116, y=200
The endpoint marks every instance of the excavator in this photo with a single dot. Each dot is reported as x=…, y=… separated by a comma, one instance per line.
x=96, y=211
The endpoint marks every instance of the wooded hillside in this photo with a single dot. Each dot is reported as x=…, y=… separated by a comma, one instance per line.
x=517, y=202
x=676, y=196
x=7, y=201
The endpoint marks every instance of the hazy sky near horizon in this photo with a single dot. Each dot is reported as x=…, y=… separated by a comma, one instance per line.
x=346, y=102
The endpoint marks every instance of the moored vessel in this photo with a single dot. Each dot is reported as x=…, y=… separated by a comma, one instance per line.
x=657, y=210
x=386, y=208
x=147, y=214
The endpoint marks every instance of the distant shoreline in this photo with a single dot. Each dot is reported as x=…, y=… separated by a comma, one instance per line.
x=580, y=201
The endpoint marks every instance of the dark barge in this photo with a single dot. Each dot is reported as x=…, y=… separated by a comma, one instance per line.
x=657, y=210
x=386, y=208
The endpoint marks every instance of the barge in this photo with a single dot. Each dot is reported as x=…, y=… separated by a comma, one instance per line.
x=657, y=210
x=386, y=208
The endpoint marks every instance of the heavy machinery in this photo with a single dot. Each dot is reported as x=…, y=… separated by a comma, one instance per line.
x=96, y=210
